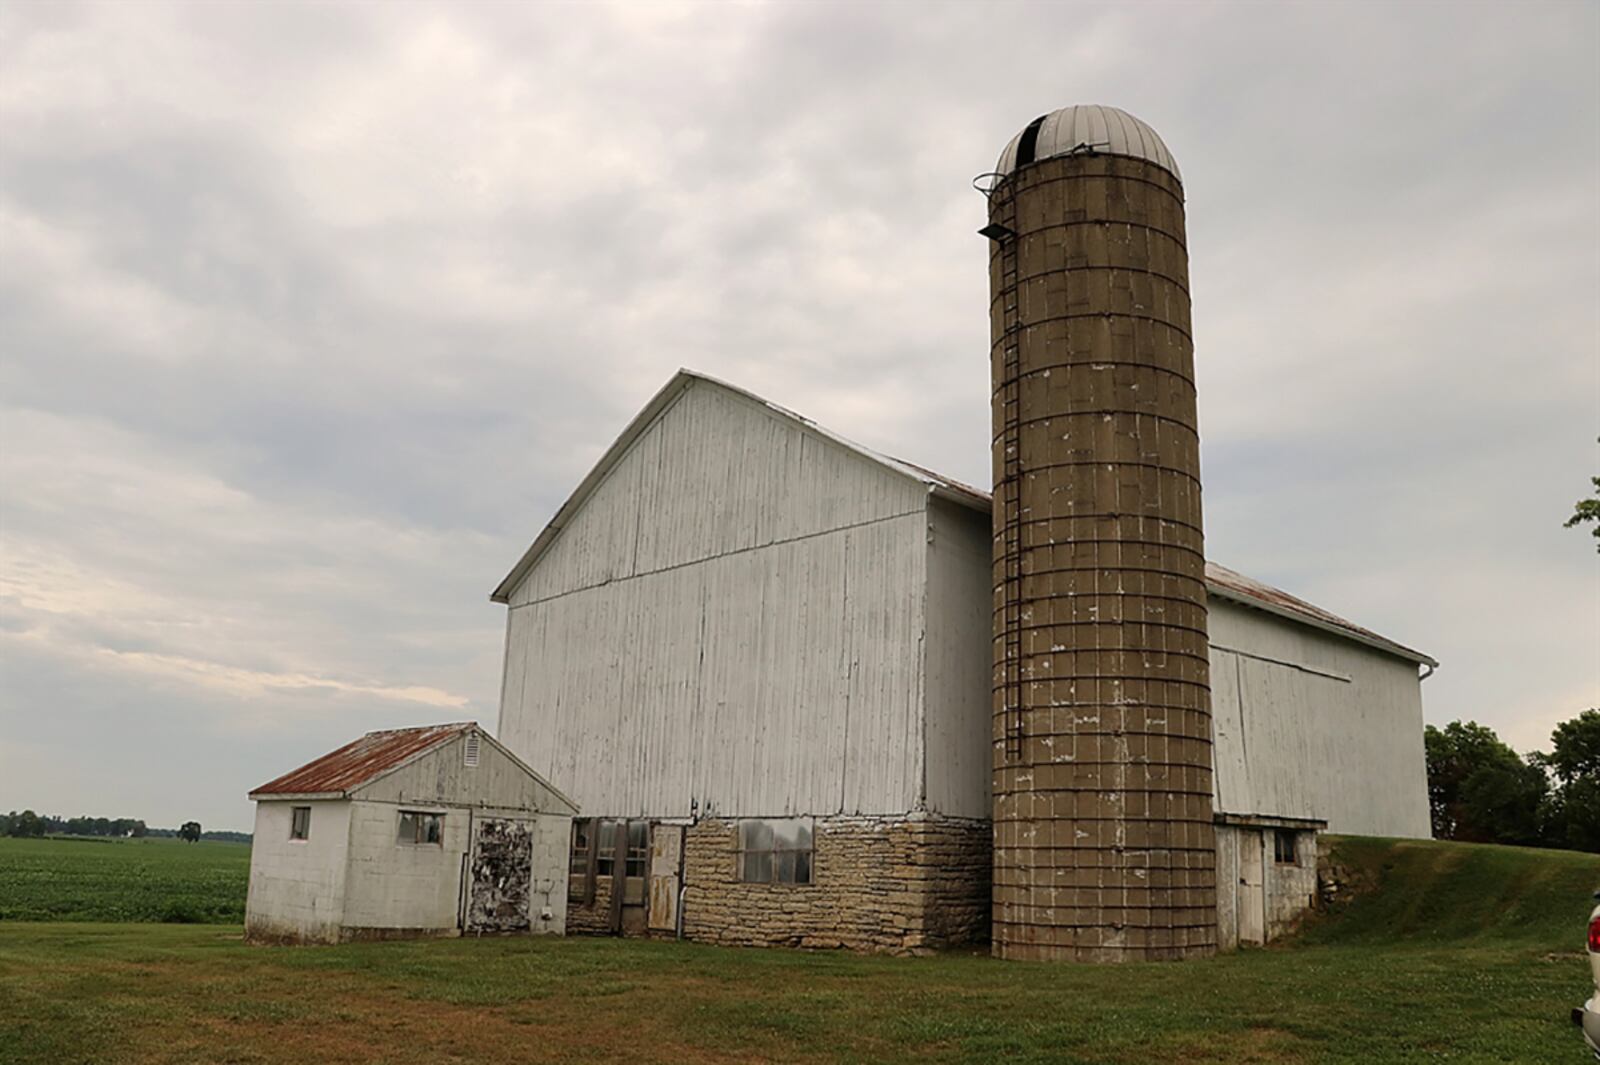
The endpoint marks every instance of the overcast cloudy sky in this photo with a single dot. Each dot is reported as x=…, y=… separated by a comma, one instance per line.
x=312, y=315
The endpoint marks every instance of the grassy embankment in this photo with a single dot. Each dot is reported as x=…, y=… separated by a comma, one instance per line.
x=1466, y=954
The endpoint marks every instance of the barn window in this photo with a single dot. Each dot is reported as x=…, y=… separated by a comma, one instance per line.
x=1283, y=844
x=605, y=863
x=580, y=882
x=300, y=822
x=471, y=750
x=775, y=852
x=419, y=827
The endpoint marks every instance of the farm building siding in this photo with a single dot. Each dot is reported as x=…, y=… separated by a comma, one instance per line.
x=1311, y=725
x=960, y=631
x=297, y=886
x=395, y=886
x=730, y=624
x=443, y=776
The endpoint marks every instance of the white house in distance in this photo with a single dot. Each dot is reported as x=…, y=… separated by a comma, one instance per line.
x=416, y=831
x=759, y=657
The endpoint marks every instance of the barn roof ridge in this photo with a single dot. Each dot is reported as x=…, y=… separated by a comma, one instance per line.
x=1221, y=581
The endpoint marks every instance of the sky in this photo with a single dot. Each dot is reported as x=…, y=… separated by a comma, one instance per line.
x=311, y=316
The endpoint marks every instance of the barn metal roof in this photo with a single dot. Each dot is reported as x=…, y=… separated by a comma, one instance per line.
x=362, y=760
x=1221, y=581
x=1090, y=128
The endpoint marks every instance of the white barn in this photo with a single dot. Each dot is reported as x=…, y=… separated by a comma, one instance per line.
x=759, y=657
x=406, y=832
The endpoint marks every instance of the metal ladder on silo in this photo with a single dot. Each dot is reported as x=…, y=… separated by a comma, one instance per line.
x=1009, y=497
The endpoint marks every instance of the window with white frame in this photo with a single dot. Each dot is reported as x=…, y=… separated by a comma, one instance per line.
x=420, y=827
x=300, y=822
x=775, y=851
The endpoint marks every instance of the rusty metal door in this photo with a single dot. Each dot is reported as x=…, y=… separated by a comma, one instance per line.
x=499, y=876
x=666, y=862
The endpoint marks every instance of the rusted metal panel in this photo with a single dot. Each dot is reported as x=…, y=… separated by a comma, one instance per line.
x=361, y=760
x=500, y=877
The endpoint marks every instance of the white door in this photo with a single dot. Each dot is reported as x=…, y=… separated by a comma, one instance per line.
x=1252, y=889
x=666, y=852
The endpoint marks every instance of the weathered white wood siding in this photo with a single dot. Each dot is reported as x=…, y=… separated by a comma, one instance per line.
x=960, y=634
x=442, y=777
x=732, y=624
x=1310, y=725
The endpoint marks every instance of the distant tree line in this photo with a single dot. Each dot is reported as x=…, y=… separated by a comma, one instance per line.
x=28, y=823
x=1482, y=791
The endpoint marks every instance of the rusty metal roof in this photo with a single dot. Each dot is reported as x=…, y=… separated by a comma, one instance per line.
x=1228, y=584
x=359, y=761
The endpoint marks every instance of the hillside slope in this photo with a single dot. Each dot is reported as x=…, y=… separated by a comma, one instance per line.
x=1425, y=891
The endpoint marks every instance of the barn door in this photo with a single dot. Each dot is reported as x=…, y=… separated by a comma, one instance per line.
x=666, y=858
x=499, y=875
x=1252, y=889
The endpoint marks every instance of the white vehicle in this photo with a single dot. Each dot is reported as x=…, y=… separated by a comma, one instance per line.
x=1588, y=1014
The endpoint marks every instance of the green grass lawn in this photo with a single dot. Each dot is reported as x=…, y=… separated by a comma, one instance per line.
x=1460, y=954
x=80, y=879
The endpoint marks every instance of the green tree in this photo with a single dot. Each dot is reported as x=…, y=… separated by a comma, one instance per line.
x=1479, y=789
x=190, y=831
x=1587, y=510
x=27, y=823
x=1572, y=812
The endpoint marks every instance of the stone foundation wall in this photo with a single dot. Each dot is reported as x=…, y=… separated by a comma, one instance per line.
x=894, y=885
x=592, y=919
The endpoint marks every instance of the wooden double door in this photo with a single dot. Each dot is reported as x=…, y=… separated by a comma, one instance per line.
x=640, y=862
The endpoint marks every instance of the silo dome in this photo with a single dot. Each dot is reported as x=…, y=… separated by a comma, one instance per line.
x=1086, y=127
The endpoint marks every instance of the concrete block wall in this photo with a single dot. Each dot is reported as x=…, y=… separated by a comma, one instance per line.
x=297, y=887
x=395, y=886
x=552, y=840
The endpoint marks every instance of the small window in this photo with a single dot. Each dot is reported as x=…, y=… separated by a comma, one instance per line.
x=775, y=852
x=419, y=827
x=606, y=849
x=300, y=822
x=638, y=848
x=579, y=886
x=1283, y=846
x=471, y=748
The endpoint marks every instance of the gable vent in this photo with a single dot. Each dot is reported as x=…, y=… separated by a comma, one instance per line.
x=472, y=750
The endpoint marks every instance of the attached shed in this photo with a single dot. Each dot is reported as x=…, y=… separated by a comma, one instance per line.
x=409, y=832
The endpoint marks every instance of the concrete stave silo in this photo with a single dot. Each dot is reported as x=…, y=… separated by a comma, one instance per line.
x=1104, y=844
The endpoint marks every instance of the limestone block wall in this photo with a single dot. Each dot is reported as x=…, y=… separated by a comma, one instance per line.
x=894, y=885
x=594, y=919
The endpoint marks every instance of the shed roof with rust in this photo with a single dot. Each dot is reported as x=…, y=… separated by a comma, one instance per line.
x=1221, y=581
x=361, y=761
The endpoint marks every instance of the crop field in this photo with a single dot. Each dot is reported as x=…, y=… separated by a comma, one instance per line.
x=1458, y=953
x=71, y=879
